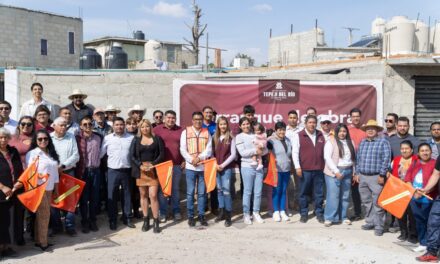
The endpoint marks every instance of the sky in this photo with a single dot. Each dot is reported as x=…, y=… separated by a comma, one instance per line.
x=238, y=26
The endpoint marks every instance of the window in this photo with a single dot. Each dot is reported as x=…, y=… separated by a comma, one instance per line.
x=71, y=43
x=171, y=54
x=44, y=47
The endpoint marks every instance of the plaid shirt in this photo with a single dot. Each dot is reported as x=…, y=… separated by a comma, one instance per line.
x=373, y=157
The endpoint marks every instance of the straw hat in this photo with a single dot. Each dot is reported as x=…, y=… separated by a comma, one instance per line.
x=112, y=108
x=136, y=108
x=76, y=92
x=98, y=110
x=371, y=123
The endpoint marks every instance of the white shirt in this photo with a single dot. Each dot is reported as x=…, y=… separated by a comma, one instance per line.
x=46, y=165
x=28, y=108
x=67, y=149
x=118, y=150
x=345, y=161
x=202, y=156
x=11, y=126
x=295, y=147
x=290, y=131
x=74, y=129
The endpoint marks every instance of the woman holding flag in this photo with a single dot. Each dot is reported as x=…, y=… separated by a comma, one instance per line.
x=10, y=168
x=225, y=153
x=418, y=174
x=281, y=148
x=42, y=151
x=147, y=150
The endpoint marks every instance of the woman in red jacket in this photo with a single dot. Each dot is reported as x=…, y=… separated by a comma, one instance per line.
x=418, y=175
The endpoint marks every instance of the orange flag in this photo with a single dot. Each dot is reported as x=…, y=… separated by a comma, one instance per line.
x=69, y=189
x=29, y=177
x=272, y=172
x=210, y=174
x=164, y=172
x=31, y=199
x=395, y=196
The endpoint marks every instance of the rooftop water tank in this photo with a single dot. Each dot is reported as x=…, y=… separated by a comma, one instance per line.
x=421, y=41
x=399, y=36
x=435, y=38
x=116, y=58
x=378, y=26
x=90, y=59
x=139, y=35
x=152, y=50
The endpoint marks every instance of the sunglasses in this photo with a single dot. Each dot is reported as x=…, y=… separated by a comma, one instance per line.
x=43, y=139
x=326, y=123
x=87, y=124
x=5, y=108
x=158, y=117
x=26, y=124
x=389, y=121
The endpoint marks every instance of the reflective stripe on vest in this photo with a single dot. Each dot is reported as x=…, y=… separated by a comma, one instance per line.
x=196, y=144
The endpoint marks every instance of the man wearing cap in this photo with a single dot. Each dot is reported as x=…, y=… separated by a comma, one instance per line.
x=326, y=127
x=28, y=108
x=372, y=162
x=78, y=108
x=100, y=126
x=111, y=112
x=136, y=113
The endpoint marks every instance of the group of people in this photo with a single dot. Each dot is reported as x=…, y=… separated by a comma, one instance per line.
x=116, y=159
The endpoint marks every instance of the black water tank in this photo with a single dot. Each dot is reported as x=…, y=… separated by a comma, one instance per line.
x=116, y=58
x=139, y=35
x=90, y=59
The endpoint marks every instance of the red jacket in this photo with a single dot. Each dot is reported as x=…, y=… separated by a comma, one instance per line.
x=396, y=163
x=427, y=170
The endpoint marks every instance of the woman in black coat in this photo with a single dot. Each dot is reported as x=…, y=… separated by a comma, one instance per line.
x=11, y=169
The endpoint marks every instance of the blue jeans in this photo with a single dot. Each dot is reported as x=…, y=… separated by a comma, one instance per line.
x=116, y=178
x=193, y=178
x=55, y=214
x=338, y=195
x=311, y=180
x=175, y=193
x=224, y=189
x=421, y=214
x=90, y=196
x=279, y=192
x=252, y=182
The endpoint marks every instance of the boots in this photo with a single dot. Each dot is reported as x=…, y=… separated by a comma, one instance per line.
x=156, y=228
x=220, y=215
x=146, y=225
x=228, y=220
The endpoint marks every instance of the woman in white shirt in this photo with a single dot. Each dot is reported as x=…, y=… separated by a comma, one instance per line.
x=43, y=148
x=339, y=158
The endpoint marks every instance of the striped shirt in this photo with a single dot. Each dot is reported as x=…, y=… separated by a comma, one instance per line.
x=373, y=157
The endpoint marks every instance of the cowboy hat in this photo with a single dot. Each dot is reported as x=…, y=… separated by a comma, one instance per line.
x=76, y=92
x=98, y=110
x=112, y=108
x=136, y=108
x=371, y=123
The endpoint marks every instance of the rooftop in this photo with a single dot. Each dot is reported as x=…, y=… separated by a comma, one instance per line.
x=126, y=41
x=38, y=11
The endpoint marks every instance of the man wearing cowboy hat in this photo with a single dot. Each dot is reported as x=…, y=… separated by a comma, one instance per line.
x=372, y=161
x=111, y=112
x=78, y=108
x=136, y=113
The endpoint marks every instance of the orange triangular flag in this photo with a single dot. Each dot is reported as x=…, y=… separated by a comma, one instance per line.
x=395, y=196
x=69, y=189
x=164, y=173
x=272, y=172
x=32, y=199
x=210, y=174
x=29, y=177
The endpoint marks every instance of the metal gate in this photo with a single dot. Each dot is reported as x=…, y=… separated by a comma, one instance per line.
x=427, y=104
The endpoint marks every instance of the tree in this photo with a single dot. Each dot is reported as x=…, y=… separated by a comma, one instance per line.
x=197, y=31
x=243, y=56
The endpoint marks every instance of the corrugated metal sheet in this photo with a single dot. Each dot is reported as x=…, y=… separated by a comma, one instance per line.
x=427, y=104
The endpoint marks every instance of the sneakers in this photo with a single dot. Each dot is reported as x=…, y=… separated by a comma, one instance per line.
x=304, y=219
x=378, y=232
x=427, y=257
x=284, y=216
x=327, y=223
x=346, y=222
x=367, y=227
x=320, y=219
x=258, y=218
x=247, y=219
x=276, y=216
x=163, y=218
x=420, y=249
x=191, y=221
x=177, y=217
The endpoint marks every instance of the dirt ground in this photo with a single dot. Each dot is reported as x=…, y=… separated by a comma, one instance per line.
x=288, y=242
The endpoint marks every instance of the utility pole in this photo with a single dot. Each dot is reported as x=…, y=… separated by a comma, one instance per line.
x=350, y=36
x=207, y=54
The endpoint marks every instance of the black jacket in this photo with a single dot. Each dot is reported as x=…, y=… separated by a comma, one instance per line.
x=5, y=171
x=135, y=157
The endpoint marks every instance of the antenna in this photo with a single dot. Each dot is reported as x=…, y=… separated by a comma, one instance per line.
x=350, y=36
